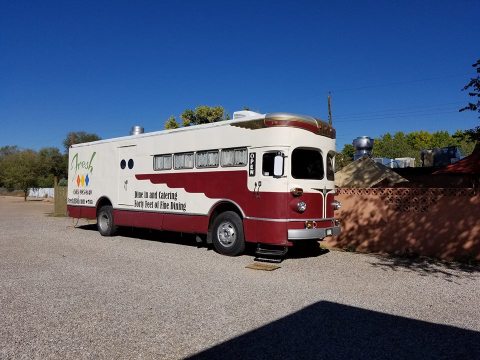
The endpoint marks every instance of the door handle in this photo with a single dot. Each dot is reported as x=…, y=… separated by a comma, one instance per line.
x=256, y=189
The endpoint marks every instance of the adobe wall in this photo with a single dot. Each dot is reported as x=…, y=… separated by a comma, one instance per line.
x=440, y=223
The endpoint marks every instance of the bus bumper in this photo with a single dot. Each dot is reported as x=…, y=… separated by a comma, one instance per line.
x=312, y=234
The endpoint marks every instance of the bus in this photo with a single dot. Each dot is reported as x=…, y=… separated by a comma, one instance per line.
x=266, y=179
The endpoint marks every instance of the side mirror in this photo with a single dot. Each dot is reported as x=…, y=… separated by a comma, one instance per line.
x=278, y=166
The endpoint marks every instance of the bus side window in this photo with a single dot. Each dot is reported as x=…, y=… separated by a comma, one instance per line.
x=331, y=165
x=268, y=163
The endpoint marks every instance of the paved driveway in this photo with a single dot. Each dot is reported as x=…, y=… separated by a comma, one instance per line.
x=66, y=292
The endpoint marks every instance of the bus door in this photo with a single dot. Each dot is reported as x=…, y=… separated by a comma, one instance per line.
x=270, y=193
x=126, y=176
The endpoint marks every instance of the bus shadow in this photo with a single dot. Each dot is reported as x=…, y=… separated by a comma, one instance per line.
x=327, y=330
x=300, y=251
x=152, y=235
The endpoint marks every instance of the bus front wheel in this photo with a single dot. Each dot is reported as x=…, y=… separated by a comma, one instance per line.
x=105, y=224
x=227, y=234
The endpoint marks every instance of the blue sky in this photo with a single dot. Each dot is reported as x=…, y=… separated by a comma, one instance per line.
x=102, y=67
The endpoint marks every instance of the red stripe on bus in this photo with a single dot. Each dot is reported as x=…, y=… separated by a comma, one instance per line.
x=82, y=212
x=232, y=185
x=254, y=230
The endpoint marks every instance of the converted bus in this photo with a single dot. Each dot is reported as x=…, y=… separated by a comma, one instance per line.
x=266, y=179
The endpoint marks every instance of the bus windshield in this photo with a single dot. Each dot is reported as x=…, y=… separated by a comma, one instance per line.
x=307, y=164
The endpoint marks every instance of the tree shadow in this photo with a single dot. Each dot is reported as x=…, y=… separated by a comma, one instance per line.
x=327, y=330
x=426, y=266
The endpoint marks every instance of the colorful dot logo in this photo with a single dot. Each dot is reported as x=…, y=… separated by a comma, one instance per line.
x=82, y=180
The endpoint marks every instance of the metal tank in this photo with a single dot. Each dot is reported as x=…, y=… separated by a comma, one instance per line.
x=363, y=146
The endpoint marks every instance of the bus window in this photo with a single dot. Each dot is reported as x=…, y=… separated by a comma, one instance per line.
x=183, y=161
x=268, y=163
x=234, y=157
x=162, y=162
x=207, y=159
x=307, y=164
x=331, y=165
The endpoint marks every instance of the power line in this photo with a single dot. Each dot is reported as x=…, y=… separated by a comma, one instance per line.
x=399, y=83
x=396, y=110
x=396, y=116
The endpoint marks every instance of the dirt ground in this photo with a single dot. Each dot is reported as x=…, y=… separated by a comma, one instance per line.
x=67, y=293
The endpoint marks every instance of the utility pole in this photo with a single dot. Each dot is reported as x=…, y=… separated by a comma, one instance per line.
x=329, y=109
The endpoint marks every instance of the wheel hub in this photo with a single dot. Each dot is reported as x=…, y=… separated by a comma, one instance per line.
x=104, y=222
x=227, y=234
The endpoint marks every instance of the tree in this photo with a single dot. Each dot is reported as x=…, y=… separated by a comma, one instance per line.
x=464, y=142
x=344, y=157
x=420, y=140
x=398, y=145
x=21, y=170
x=6, y=151
x=78, y=137
x=441, y=139
x=171, y=123
x=51, y=163
x=474, y=91
x=203, y=115
x=411, y=144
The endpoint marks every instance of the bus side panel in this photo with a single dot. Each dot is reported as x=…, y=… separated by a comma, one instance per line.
x=162, y=221
x=265, y=232
x=197, y=224
x=141, y=219
x=81, y=212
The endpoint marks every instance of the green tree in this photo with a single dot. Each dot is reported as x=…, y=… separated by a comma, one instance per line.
x=6, y=151
x=411, y=144
x=420, y=140
x=21, y=171
x=398, y=145
x=51, y=163
x=203, y=115
x=473, y=86
x=464, y=141
x=171, y=123
x=344, y=157
x=78, y=137
x=441, y=139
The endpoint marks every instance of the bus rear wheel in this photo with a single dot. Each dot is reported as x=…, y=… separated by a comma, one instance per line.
x=227, y=234
x=105, y=224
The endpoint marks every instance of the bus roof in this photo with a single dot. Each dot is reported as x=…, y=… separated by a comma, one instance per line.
x=245, y=119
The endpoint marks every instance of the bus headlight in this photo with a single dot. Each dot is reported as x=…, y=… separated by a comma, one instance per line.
x=336, y=204
x=301, y=206
x=297, y=191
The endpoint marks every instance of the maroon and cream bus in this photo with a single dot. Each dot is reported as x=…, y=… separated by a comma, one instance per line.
x=266, y=179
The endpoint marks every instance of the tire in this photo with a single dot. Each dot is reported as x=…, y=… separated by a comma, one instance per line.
x=227, y=234
x=105, y=224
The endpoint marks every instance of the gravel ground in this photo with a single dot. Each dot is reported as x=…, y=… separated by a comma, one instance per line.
x=68, y=293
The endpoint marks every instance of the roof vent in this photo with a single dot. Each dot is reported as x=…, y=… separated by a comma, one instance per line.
x=136, y=130
x=244, y=113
